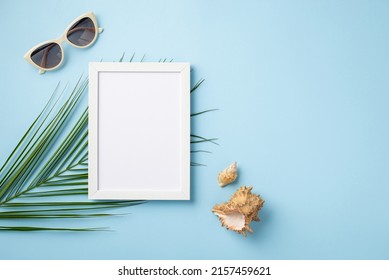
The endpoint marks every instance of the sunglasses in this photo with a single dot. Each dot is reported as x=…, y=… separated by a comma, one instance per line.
x=49, y=55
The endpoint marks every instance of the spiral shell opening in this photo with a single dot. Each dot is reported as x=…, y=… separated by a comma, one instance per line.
x=242, y=208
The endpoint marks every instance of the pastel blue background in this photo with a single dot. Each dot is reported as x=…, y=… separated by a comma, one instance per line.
x=302, y=88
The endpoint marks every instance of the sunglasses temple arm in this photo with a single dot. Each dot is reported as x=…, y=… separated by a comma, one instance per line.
x=79, y=28
x=84, y=28
x=43, y=63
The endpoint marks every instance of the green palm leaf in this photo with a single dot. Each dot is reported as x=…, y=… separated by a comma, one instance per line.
x=50, y=164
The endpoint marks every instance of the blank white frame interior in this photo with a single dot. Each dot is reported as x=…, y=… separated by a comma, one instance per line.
x=139, y=131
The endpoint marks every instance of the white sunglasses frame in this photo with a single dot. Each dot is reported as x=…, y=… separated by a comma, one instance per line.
x=62, y=39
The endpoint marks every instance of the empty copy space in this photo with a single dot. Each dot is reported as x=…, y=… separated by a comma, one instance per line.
x=139, y=131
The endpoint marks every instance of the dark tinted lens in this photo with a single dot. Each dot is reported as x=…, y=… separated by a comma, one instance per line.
x=82, y=32
x=47, y=56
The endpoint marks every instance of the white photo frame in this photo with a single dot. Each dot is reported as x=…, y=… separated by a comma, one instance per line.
x=139, y=131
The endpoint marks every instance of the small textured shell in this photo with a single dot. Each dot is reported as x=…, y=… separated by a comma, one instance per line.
x=228, y=175
x=242, y=208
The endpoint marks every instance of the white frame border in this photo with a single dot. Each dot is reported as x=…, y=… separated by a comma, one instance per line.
x=93, y=189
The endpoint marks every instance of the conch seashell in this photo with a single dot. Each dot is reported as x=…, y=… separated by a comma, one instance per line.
x=242, y=208
x=228, y=175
